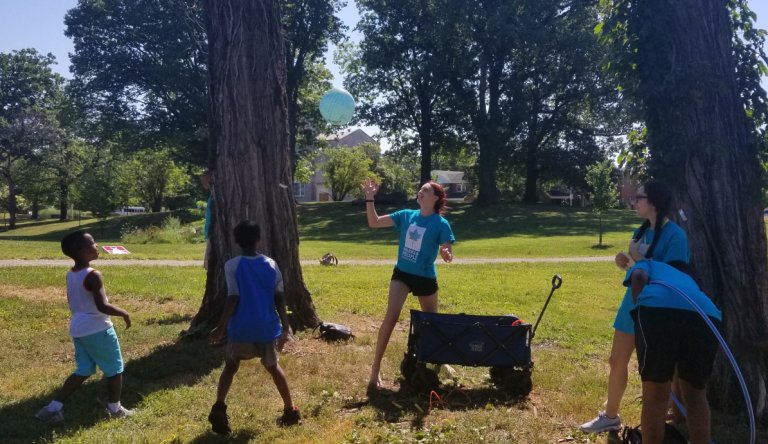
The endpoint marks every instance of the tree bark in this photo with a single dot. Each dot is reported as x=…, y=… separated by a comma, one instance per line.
x=250, y=135
x=35, y=211
x=425, y=140
x=63, y=201
x=698, y=135
x=531, y=194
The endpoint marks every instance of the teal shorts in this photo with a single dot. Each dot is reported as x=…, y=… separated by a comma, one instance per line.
x=623, y=321
x=100, y=349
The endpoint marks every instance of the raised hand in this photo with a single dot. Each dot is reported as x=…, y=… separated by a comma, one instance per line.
x=370, y=188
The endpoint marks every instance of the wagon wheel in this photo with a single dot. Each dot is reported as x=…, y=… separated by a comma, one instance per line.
x=408, y=366
x=424, y=379
x=497, y=375
x=514, y=381
x=517, y=381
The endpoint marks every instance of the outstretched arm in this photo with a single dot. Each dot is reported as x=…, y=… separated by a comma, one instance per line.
x=374, y=220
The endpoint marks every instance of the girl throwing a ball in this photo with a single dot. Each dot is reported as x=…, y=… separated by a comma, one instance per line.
x=423, y=233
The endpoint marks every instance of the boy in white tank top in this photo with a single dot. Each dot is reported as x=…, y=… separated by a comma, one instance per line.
x=91, y=329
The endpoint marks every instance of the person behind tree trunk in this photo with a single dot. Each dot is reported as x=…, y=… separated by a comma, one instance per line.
x=672, y=338
x=423, y=233
x=253, y=316
x=207, y=179
x=91, y=329
x=661, y=240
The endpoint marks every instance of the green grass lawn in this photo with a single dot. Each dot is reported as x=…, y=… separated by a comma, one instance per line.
x=171, y=382
x=503, y=231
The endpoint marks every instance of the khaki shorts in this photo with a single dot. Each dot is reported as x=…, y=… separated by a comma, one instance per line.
x=243, y=351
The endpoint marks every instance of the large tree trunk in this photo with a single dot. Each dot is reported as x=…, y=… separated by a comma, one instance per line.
x=249, y=131
x=487, y=159
x=35, y=211
x=699, y=142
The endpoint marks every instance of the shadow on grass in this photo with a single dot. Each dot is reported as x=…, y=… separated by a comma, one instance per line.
x=179, y=364
x=601, y=247
x=392, y=405
x=239, y=437
x=112, y=227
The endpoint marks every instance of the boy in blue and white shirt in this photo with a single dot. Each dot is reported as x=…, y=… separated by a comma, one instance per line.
x=253, y=316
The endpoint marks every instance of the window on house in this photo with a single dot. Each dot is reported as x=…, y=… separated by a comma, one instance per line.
x=298, y=189
x=459, y=187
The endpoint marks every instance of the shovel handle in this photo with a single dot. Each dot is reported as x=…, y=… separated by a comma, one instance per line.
x=557, y=281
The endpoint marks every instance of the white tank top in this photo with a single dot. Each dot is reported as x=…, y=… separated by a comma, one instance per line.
x=86, y=318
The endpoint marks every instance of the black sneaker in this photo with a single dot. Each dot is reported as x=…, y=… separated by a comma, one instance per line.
x=218, y=419
x=289, y=417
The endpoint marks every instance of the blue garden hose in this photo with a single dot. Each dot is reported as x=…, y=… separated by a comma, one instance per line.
x=727, y=352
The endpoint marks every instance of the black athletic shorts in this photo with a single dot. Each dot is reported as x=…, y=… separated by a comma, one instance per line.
x=418, y=285
x=669, y=338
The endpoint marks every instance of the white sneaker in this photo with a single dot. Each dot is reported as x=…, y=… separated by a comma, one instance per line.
x=46, y=415
x=601, y=424
x=122, y=412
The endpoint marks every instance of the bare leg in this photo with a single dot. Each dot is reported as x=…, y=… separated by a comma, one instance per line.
x=621, y=352
x=398, y=292
x=282, y=385
x=428, y=304
x=225, y=381
x=679, y=417
x=699, y=418
x=114, y=387
x=655, y=401
x=70, y=386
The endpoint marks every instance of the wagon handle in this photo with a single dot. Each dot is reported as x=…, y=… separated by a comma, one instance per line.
x=557, y=281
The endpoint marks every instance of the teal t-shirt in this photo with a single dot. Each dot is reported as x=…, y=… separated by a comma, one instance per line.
x=656, y=295
x=672, y=245
x=420, y=240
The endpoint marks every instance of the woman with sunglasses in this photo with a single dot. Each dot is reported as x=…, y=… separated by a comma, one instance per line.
x=659, y=239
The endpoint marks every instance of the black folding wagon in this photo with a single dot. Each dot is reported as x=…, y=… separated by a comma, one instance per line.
x=501, y=343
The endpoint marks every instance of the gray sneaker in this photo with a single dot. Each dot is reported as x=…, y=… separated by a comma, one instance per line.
x=601, y=424
x=46, y=415
x=122, y=412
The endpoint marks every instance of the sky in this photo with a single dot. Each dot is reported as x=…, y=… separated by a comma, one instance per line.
x=39, y=24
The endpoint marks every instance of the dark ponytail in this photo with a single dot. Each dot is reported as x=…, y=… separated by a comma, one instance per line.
x=660, y=196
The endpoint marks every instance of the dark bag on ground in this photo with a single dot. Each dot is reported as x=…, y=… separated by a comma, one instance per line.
x=633, y=435
x=329, y=259
x=334, y=332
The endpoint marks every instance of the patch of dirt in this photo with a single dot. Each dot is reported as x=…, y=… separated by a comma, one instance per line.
x=59, y=294
x=40, y=294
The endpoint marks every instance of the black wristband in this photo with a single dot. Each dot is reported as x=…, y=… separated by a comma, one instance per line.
x=369, y=200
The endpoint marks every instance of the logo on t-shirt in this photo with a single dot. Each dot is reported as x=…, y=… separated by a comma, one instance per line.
x=413, y=239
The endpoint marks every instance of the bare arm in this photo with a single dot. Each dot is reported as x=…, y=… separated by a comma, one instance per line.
x=283, y=313
x=374, y=220
x=639, y=280
x=229, y=308
x=94, y=283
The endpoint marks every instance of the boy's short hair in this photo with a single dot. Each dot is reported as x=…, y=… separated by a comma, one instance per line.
x=72, y=243
x=247, y=233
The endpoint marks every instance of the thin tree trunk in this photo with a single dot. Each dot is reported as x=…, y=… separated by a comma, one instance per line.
x=11, y=200
x=600, y=242
x=63, y=201
x=35, y=211
x=531, y=194
x=699, y=140
x=250, y=134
